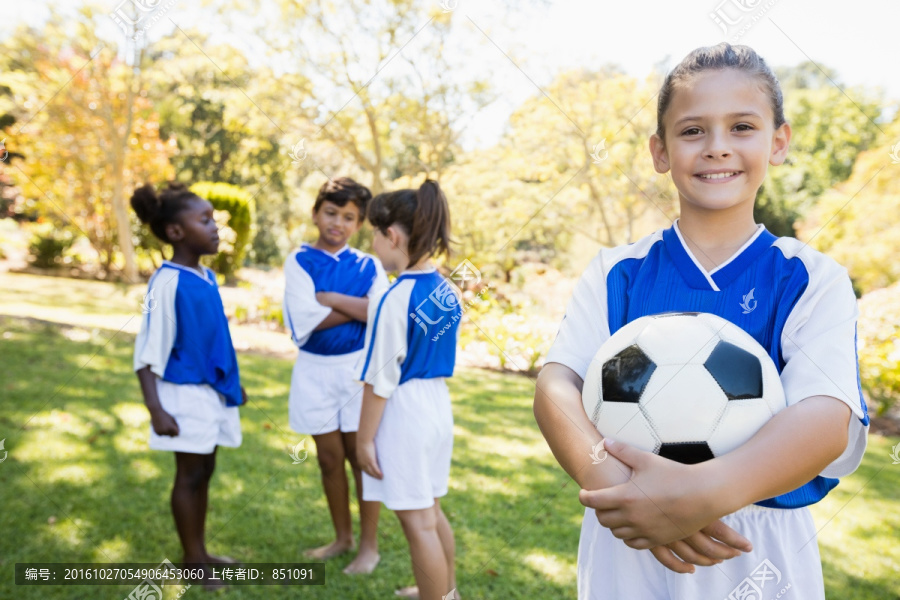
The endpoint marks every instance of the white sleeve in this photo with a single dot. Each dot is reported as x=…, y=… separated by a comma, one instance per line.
x=380, y=283
x=386, y=343
x=585, y=326
x=819, y=348
x=159, y=325
x=302, y=313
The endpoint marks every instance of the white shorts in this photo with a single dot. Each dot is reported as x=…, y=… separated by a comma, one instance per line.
x=325, y=394
x=204, y=421
x=414, y=445
x=784, y=563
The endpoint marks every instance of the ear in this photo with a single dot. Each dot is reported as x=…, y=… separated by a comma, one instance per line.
x=781, y=141
x=394, y=236
x=660, y=156
x=174, y=232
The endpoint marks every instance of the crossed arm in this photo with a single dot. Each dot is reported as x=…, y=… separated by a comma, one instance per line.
x=673, y=509
x=344, y=309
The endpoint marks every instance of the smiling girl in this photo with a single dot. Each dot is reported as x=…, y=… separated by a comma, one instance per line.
x=720, y=126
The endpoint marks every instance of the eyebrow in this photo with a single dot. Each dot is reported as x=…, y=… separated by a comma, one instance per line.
x=729, y=116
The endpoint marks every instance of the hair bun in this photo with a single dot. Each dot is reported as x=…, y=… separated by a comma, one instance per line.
x=146, y=203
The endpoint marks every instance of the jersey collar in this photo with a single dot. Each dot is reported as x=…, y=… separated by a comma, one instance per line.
x=696, y=276
x=205, y=276
x=335, y=256
x=418, y=272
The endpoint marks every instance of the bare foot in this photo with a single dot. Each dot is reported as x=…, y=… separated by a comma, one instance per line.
x=408, y=592
x=331, y=550
x=364, y=563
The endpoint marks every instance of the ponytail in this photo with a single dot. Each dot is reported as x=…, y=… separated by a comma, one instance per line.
x=423, y=214
x=430, y=233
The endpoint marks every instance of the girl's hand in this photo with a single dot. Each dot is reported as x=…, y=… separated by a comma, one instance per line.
x=368, y=461
x=324, y=298
x=664, y=501
x=164, y=423
x=709, y=546
x=244, y=394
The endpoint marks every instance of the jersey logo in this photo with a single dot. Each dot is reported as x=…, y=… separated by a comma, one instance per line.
x=748, y=303
x=149, y=303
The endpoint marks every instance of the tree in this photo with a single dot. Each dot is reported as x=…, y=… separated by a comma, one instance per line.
x=858, y=221
x=588, y=147
x=829, y=130
x=87, y=131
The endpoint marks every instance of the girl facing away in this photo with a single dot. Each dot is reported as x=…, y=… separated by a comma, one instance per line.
x=405, y=438
x=185, y=360
x=742, y=518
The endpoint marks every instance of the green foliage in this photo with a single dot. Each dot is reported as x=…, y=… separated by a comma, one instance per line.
x=879, y=352
x=829, y=130
x=49, y=244
x=240, y=207
x=858, y=222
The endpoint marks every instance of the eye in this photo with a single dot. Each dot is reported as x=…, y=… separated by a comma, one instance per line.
x=691, y=131
x=744, y=127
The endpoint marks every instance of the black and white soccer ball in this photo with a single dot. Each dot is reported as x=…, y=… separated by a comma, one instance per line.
x=687, y=386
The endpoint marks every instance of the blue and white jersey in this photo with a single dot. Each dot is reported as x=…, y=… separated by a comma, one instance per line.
x=796, y=302
x=184, y=336
x=309, y=270
x=413, y=329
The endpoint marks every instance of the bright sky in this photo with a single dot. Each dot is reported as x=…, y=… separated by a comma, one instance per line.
x=856, y=39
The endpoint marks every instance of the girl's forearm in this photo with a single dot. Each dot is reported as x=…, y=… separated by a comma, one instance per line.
x=789, y=451
x=334, y=319
x=148, y=389
x=575, y=442
x=355, y=308
x=370, y=416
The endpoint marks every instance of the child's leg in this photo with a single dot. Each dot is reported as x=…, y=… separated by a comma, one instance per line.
x=367, y=558
x=426, y=552
x=445, y=532
x=189, y=501
x=331, y=455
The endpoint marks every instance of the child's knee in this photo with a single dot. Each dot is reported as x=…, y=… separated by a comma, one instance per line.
x=194, y=478
x=331, y=462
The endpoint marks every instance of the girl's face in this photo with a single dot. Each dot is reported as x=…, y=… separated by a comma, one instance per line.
x=391, y=248
x=720, y=139
x=195, y=228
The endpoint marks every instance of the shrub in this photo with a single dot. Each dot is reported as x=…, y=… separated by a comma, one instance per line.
x=241, y=216
x=879, y=347
x=48, y=245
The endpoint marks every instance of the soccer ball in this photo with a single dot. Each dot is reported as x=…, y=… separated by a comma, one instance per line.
x=687, y=386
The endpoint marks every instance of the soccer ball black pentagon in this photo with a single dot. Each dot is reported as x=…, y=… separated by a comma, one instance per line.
x=687, y=386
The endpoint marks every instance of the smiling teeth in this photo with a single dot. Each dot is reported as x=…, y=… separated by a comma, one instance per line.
x=719, y=175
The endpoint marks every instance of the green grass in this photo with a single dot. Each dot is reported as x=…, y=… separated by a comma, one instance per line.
x=80, y=485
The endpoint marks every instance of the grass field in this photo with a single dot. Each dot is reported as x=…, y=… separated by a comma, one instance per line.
x=80, y=485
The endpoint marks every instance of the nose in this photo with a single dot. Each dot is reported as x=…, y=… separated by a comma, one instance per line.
x=716, y=146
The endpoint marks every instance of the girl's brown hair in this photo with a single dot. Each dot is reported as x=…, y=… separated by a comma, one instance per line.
x=721, y=56
x=423, y=214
